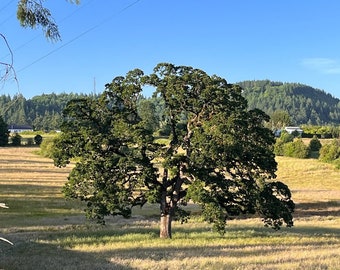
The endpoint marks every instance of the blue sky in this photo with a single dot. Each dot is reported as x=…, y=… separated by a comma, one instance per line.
x=287, y=41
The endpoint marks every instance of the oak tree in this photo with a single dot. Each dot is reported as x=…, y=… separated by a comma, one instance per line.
x=221, y=158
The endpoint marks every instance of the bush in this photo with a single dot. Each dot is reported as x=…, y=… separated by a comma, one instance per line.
x=330, y=152
x=38, y=139
x=296, y=149
x=46, y=147
x=284, y=138
x=278, y=147
x=16, y=139
x=315, y=144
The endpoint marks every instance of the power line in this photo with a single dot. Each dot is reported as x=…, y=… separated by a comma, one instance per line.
x=81, y=35
x=6, y=5
x=38, y=35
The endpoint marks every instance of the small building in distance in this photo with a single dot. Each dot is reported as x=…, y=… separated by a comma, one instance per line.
x=19, y=128
x=290, y=130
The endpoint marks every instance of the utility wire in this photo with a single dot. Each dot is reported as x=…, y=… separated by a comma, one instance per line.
x=38, y=35
x=6, y=5
x=81, y=35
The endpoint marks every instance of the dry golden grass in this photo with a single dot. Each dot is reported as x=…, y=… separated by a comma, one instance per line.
x=315, y=185
x=51, y=233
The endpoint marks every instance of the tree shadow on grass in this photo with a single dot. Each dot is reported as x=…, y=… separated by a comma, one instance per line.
x=55, y=249
x=33, y=255
x=328, y=208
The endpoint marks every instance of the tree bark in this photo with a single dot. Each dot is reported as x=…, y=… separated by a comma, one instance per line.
x=165, y=226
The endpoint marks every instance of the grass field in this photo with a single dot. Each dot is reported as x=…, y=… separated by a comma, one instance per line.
x=49, y=232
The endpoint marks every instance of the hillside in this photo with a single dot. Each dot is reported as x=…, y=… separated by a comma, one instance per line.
x=305, y=104
x=43, y=112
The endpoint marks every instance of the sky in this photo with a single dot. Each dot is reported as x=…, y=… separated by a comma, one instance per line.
x=286, y=41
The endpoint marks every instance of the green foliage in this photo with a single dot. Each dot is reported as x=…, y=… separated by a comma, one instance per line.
x=219, y=154
x=4, y=133
x=304, y=104
x=280, y=143
x=279, y=119
x=47, y=147
x=286, y=137
x=43, y=112
x=110, y=141
x=315, y=144
x=295, y=134
x=38, y=139
x=147, y=112
x=330, y=152
x=277, y=209
x=16, y=139
x=32, y=13
x=326, y=131
x=296, y=149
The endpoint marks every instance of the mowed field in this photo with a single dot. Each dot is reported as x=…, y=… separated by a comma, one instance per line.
x=50, y=232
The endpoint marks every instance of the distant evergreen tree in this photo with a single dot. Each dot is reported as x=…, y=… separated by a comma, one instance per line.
x=315, y=144
x=43, y=112
x=4, y=133
x=38, y=139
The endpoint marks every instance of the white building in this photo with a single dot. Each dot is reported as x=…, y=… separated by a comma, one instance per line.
x=290, y=130
x=19, y=128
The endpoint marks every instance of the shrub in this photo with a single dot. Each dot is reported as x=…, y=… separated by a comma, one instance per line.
x=278, y=147
x=38, y=139
x=296, y=149
x=315, y=144
x=16, y=139
x=284, y=138
x=330, y=152
x=46, y=147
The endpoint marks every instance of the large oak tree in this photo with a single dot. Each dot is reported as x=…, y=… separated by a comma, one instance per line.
x=219, y=155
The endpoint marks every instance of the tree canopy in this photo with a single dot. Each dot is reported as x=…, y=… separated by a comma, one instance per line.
x=219, y=155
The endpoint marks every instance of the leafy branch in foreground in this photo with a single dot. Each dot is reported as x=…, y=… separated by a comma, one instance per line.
x=31, y=13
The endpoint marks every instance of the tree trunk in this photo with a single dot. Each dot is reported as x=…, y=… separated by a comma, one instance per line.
x=165, y=226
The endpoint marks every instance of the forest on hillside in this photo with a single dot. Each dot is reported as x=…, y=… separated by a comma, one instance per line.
x=43, y=112
x=305, y=105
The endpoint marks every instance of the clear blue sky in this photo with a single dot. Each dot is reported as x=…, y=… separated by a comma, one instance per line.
x=287, y=41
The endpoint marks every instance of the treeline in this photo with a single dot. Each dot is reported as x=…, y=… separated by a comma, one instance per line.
x=304, y=104
x=43, y=112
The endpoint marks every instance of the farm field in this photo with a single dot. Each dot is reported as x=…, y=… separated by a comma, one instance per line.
x=50, y=232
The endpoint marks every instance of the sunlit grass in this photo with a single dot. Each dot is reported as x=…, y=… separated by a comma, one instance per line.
x=50, y=232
